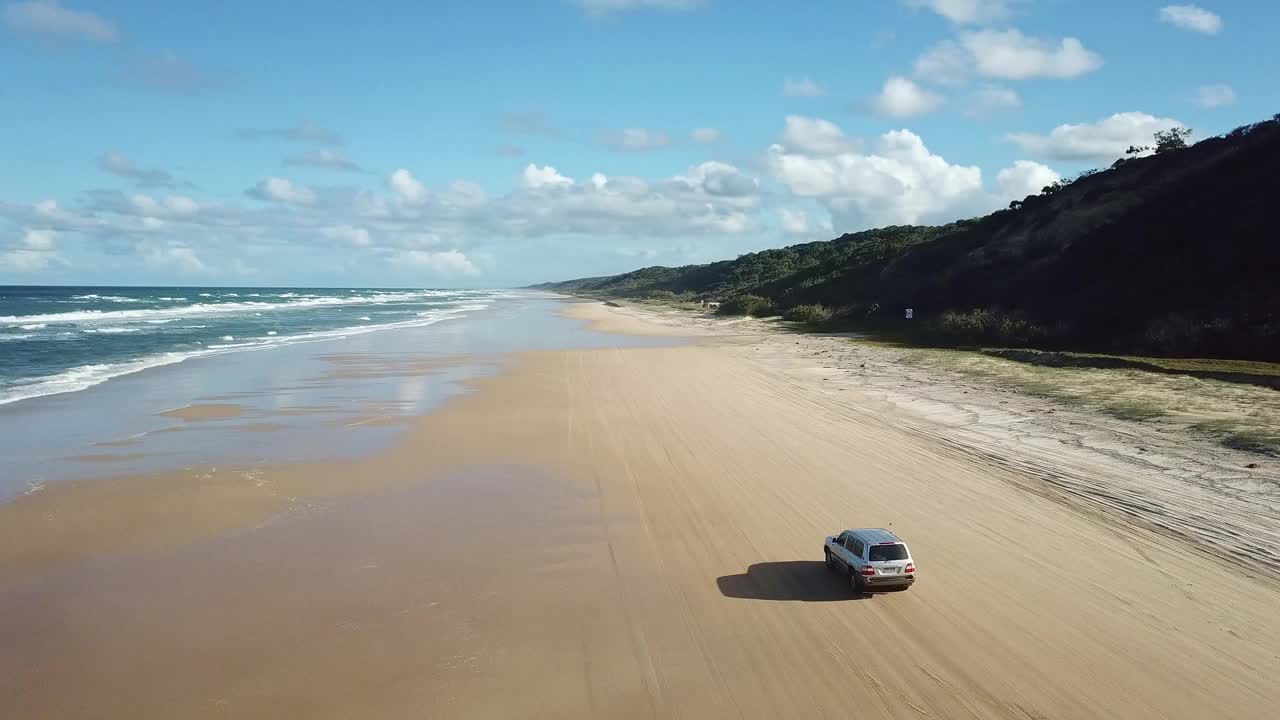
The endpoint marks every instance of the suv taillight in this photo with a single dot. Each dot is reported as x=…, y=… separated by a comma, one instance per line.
x=911, y=567
x=868, y=570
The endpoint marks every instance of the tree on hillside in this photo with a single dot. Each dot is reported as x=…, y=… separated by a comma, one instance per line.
x=1172, y=139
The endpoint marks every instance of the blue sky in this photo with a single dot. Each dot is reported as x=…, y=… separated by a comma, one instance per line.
x=494, y=143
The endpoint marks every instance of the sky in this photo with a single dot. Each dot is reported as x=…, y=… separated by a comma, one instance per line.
x=497, y=143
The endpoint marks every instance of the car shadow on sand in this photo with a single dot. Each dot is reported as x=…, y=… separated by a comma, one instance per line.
x=796, y=580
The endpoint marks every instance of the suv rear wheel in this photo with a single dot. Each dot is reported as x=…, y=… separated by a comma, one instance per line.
x=856, y=582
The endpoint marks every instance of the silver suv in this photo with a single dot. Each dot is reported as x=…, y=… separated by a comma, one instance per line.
x=872, y=558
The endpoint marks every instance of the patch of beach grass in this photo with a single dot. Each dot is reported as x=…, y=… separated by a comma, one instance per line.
x=1236, y=415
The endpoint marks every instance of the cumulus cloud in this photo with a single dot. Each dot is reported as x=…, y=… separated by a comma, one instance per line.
x=50, y=19
x=1191, y=17
x=349, y=234
x=802, y=87
x=323, y=158
x=275, y=189
x=965, y=11
x=1024, y=178
x=814, y=136
x=607, y=7
x=443, y=262
x=795, y=222
x=1006, y=54
x=721, y=179
x=181, y=257
x=406, y=186
x=538, y=178
x=176, y=232
x=33, y=251
x=634, y=139
x=901, y=182
x=1101, y=141
x=306, y=132
x=901, y=98
x=992, y=99
x=1212, y=96
x=119, y=164
x=705, y=135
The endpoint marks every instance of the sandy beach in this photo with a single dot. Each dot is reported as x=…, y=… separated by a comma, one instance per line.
x=630, y=530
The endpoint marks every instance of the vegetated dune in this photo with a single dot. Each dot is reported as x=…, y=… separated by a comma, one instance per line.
x=1170, y=254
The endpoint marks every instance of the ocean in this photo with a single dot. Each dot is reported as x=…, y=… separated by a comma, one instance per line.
x=64, y=339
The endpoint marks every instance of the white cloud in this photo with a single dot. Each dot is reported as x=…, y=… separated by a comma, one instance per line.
x=1024, y=178
x=902, y=182
x=605, y=7
x=814, y=136
x=275, y=189
x=1212, y=96
x=634, y=139
x=444, y=262
x=795, y=222
x=720, y=179
x=1191, y=17
x=323, y=158
x=705, y=135
x=119, y=164
x=537, y=178
x=948, y=63
x=48, y=18
x=168, y=206
x=181, y=257
x=350, y=234
x=966, y=11
x=991, y=99
x=34, y=251
x=39, y=240
x=802, y=87
x=1006, y=54
x=901, y=98
x=1102, y=141
x=406, y=186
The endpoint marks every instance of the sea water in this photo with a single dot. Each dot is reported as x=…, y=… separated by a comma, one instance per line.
x=63, y=339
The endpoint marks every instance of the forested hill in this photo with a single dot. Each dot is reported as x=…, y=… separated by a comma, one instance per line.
x=1177, y=253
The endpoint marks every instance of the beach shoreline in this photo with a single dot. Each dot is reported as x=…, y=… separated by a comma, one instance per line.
x=622, y=531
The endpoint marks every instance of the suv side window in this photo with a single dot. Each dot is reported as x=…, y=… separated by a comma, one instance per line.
x=840, y=540
x=857, y=547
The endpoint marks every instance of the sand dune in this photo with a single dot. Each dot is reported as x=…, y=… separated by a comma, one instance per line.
x=637, y=533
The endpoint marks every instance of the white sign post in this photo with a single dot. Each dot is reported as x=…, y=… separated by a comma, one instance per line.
x=910, y=313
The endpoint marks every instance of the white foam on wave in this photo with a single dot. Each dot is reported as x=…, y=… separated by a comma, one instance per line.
x=21, y=336
x=113, y=330
x=86, y=376
x=108, y=298
x=227, y=308
x=34, y=326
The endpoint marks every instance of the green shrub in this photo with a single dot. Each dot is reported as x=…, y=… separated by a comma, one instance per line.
x=808, y=314
x=752, y=305
x=985, y=325
x=662, y=295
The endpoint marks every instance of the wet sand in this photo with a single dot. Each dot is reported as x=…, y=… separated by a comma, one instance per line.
x=619, y=532
x=206, y=411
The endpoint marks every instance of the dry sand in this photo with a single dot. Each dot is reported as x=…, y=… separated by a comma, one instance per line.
x=625, y=533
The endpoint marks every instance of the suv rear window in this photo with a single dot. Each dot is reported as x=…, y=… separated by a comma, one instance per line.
x=881, y=553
